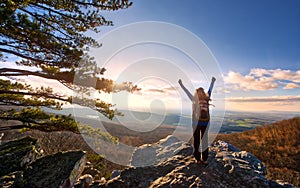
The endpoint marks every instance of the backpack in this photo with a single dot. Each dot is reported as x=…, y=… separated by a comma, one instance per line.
x=203, y=110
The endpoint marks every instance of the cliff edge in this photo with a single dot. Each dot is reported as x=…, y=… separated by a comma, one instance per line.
x=169, y=163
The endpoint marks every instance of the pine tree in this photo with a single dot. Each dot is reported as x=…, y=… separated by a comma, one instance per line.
x=50, y=37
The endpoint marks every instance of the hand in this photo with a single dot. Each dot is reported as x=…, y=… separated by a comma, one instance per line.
x=213, y=79
x=179, y=81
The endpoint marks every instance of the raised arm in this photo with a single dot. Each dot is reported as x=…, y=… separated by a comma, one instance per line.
x=213, y=79
x=185, y=90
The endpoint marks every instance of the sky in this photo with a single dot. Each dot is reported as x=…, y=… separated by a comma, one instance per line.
x=253, y=45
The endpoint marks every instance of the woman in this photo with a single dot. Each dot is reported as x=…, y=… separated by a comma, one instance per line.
x=200, y=119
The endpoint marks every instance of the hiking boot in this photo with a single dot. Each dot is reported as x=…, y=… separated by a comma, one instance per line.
x=197, y=155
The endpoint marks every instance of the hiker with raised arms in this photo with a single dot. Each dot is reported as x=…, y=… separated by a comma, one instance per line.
x=200, y=119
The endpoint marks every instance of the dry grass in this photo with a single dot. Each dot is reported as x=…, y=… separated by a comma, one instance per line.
x=277, y=145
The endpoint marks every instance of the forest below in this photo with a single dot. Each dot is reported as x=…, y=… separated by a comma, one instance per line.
x=277, y=145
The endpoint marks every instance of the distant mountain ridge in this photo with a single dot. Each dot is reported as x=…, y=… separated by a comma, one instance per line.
x=233, y=121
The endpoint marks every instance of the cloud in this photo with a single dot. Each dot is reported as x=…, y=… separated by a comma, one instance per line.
x=162, y=90
x=270, y=103
x=291, y=86
x=156, y=90
x=263, y=79
x=249, y=82
x=265, y=99
x=171, y=88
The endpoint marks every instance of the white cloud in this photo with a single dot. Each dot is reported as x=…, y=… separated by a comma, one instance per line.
x=156, y=90
x=277, y=74
x=270, y=103
x=265, y=99
x=263, y=79
x=249, y=82
x=170, y=89
x=263, y=107
x=291, y=86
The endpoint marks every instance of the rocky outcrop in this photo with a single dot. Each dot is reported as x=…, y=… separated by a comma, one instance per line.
x=153, y=154
x=20, y=166
x=58, y=170
x=14, y=155
x=168, y=163
x=227, y=167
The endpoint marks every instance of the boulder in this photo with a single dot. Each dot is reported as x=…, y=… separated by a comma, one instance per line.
x=58, y=170
x=153, y=154
x=21, y=165
x=15, y=154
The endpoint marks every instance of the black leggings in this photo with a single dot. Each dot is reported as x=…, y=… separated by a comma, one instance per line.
x=204, y=142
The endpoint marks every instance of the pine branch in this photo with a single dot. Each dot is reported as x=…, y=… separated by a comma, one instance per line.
x=101, y=84
x=24, y=56
x=45, y=95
